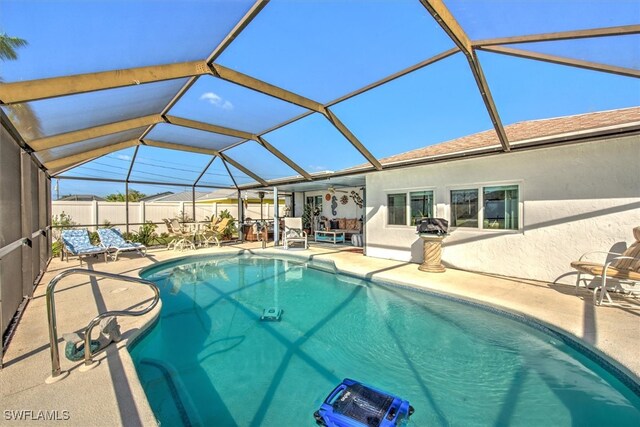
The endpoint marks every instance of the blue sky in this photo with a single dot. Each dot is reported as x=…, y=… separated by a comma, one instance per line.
x=321, y=50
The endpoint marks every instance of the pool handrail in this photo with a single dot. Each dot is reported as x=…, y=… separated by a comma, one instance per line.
x=51, y=312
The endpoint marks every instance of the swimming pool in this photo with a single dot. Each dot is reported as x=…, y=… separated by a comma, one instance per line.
x=209, y=360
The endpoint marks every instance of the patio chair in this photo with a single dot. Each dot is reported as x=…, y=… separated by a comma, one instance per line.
x=111, y=238
x=215, y=231
x=293, y=233
x=182, y=237
x=77, y=243
x=624, y=267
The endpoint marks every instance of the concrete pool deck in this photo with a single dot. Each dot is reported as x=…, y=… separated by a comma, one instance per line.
x=111, y=394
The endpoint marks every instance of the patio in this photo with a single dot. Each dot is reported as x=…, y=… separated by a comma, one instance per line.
x=110, y=394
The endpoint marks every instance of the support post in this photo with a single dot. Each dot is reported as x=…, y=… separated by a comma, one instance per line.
x=276, y=218
x=94, y=215
x=240, y=217
x=193, y=202
x=126, y=205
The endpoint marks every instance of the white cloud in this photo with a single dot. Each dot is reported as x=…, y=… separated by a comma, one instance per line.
x=216, y=100
x=317, y=168
x=123, y=157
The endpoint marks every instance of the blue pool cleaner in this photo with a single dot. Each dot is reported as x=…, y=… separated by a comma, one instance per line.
x=353, y=404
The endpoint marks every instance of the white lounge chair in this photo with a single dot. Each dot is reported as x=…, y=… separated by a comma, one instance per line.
x=293, y=233
x=111, y=238
x=624, y=267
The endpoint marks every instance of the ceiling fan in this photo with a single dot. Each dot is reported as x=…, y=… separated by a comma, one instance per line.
x=332, y=190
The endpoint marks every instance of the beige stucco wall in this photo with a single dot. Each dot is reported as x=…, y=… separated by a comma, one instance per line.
x=573, y=199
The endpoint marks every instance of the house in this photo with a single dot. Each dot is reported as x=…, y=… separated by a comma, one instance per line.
x=527, y=213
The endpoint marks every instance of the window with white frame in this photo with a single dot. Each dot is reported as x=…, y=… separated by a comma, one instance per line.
x=492, y=207
x=420, y=205
x=397, y=209
x=405, y=208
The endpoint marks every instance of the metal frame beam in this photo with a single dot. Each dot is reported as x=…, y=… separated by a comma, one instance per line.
x=594, y=66
x=235, y=32
x=252, y=83
x=273, y=150
x=170, y=184
x=32, y=90
x=76, y=158
x=446, y=20
x=93, y=132
x=563, y=35
x=193, y=124
x=210, y=151
x=247, y=136
x=285, y=95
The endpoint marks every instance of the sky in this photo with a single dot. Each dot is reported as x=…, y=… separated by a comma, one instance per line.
x=321, y=50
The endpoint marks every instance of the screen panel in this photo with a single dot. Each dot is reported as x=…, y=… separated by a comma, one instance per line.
x=525, y=89
x=323, y=50
x=315, y=145
x=621, y=51
x=90, y=144
x=74, y=36
x=484, y=19
x=53, y=116
x=258, y=160
x=434, y=104
x=216, y=101
x=171, y=166
x=191, y=137
x=110, y=166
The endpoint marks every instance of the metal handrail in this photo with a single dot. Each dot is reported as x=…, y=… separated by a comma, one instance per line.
x=51, y=313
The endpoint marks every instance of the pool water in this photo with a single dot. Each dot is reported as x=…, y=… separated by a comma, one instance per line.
x=210, y=361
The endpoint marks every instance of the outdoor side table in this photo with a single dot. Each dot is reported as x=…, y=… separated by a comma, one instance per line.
x=432, y=253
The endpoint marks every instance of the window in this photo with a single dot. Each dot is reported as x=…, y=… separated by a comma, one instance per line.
x=464, y=208
x=421, y=205
x=397, y=209
x=499, y=208
x=315, y=202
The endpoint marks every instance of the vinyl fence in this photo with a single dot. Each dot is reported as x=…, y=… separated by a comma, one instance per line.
x=97, y=213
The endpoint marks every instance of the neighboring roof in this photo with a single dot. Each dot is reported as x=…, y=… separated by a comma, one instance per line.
x=184, y=196
x=80, y=198
x=524, y=131
x=155, y=196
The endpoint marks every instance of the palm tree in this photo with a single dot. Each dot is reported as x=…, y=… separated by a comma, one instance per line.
x=8, y=46
x=22, y=115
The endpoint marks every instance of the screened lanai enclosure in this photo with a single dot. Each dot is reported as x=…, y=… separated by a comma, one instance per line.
x=250, y=95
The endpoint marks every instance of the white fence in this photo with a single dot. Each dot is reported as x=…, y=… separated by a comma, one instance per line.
x=95, y=213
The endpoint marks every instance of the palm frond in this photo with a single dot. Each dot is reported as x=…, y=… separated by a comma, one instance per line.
x=8, y=46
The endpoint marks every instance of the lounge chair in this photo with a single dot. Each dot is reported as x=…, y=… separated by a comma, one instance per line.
x=215, y=231
x=111, y=238
x=624, y=267
x=293, y=233
x=78, y=243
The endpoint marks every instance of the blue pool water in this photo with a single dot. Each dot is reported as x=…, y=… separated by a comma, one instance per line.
x=210, y=361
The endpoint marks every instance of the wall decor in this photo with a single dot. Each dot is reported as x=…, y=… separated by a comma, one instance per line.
x=334, y=205
x=344, y=199
x=356, y=198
